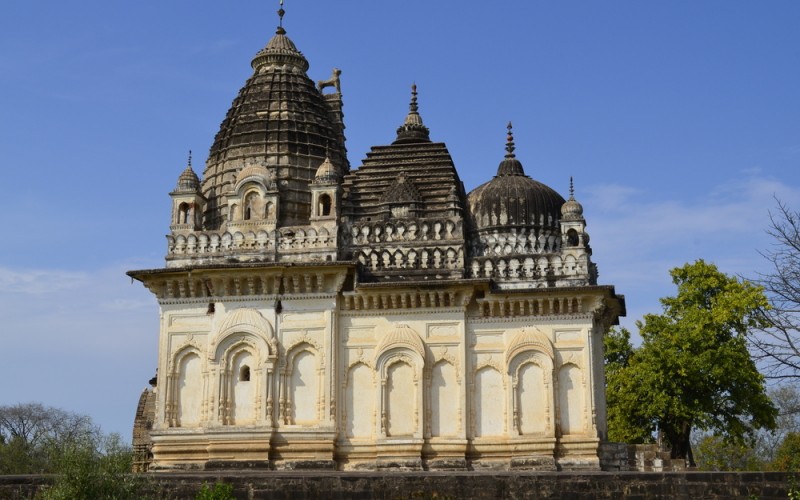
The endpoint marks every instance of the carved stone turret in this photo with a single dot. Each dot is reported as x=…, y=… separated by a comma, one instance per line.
x=187, y=202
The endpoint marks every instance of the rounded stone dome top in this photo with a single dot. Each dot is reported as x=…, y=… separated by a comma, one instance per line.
x=571, y=210
x=280, y=50
x=188, y=181
x=512, y=199
x=327, y=173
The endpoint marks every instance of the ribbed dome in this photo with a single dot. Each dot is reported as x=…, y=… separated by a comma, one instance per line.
x=513, y=199
x=281, y=120
x=188, y=182
x=327, y=173
x=280, y=50
x=571, y=210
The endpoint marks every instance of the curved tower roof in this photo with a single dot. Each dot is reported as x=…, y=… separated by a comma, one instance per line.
x=280, y=121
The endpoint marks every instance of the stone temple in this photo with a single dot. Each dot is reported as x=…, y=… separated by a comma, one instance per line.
x=319, y=316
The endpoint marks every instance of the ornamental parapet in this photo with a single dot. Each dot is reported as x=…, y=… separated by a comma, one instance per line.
x=284, y=244
x=537, y=270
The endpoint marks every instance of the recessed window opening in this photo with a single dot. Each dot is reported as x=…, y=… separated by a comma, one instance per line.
x=183, y=213
x=244, y=374
x=324, y=205
x=572, y=238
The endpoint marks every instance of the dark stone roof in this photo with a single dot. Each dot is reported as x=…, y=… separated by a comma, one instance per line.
x=402, y=190
x=281, y=119
x=512, y=199
x=426, y=168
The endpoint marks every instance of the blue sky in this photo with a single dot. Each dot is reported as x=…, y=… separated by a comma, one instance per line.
x=679, y=120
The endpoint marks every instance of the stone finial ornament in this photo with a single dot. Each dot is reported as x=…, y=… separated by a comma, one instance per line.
x=412, y=129
x=510, y=141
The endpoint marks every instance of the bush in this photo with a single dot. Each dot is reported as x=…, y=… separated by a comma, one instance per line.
x=220, y=491
x=93, y=469
x=787, y=458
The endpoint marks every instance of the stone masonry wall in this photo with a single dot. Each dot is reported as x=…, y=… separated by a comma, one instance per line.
x=368, y=485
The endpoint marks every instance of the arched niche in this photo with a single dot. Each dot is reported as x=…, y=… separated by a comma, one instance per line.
x=244, y=343
x=529, y=358
x=302, y=383
x=399, y=361
x=185, y=388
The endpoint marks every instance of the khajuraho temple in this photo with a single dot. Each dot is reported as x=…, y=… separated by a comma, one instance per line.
x=318, y=316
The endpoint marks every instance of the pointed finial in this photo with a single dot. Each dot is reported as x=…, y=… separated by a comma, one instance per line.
x=413, y=117
x=510, y=142
x=571, y=188
x=190, y=158
x=281, y=12
x=412, y=129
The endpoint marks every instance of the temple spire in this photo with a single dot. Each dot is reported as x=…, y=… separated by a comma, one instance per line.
x=571, y=189
x=281, y=13
x=190, y=159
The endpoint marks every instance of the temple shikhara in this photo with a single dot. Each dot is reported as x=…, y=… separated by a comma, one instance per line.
x=321, y=316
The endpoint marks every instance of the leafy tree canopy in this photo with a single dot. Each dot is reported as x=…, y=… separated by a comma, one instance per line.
x=693, y=369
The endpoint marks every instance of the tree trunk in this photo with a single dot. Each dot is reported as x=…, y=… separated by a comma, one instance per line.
x=679, y=441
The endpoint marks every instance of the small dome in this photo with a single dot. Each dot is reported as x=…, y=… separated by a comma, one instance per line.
x=512, y=198
x=571, y=210
x=188, y=182
x=280, y=50
x=327, y=173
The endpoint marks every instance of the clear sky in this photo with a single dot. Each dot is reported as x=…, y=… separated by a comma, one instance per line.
x=679, y=120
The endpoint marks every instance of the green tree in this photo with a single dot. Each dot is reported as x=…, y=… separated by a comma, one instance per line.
x=716, y=454
x=693, y=369
x=787, y=457
x=622, y=424
x=94, y=467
